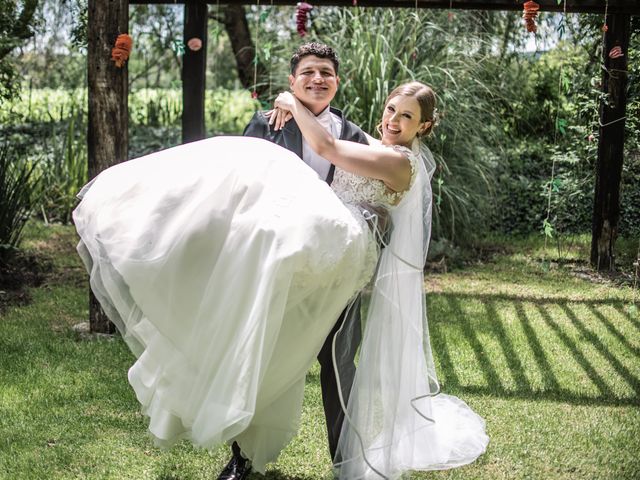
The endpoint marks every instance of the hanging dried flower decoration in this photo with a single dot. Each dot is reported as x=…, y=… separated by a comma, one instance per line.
x=530, y=14
x=302, y=14
x=120, y=53
x=194, y=44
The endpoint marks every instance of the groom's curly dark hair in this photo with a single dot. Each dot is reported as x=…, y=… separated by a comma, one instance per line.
x=316, y=49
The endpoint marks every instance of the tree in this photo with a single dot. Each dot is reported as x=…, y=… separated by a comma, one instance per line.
x=16, y=25
x=235, y=22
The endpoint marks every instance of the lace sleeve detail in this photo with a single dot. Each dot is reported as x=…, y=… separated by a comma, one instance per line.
x=395, y=197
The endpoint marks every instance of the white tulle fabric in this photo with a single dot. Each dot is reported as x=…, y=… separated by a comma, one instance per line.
x=224, y=263
x=396, y=419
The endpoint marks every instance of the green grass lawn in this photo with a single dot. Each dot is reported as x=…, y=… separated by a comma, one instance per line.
x=548, y=354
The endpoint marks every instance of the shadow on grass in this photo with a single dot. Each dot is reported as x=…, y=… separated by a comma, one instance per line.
x=278, y=475
x=562, y=324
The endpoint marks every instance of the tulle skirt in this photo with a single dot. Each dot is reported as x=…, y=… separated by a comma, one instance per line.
x=224, y=263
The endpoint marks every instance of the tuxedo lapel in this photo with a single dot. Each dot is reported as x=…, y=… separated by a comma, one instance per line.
x=339, y=113
x=292, y=138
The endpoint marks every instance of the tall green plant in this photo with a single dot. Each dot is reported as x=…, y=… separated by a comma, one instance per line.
x=65, y=171
x=18, y=184
x=382, y=48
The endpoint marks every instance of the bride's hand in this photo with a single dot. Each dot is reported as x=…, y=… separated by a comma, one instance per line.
x=278, y=117
x=281, y=113
x=285, y=101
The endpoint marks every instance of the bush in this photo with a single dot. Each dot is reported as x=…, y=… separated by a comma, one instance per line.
x=571, y=148
x=18, y=184
x=66, y=168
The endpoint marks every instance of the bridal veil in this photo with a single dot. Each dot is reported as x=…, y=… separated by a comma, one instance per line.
x=397, y=419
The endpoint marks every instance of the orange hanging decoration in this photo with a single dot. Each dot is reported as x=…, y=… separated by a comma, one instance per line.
x=120, y=53
x=530, y=14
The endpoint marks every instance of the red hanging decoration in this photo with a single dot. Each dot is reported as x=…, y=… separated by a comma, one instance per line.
x=530, y=14
x=120, y=52
x=302, y=14
x=616, y=52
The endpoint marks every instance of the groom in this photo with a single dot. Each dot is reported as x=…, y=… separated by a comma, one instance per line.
x=314, y=81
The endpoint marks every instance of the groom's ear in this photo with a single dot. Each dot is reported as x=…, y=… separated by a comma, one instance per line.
x=291, y=80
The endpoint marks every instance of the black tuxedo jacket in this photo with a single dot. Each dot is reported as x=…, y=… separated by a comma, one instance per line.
x=291, y=138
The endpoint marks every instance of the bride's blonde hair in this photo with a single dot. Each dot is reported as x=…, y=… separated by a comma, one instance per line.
x=426, y=98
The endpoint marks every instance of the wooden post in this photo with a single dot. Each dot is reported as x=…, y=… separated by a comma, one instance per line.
x=107, y=136
x=606, y=204
x=194, y=65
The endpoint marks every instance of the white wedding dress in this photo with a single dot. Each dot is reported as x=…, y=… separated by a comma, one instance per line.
x=225, y=263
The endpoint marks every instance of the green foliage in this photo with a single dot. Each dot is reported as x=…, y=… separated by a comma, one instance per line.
x=382, y=48
x=16, y=25
x=57, y=119
x=44, y=105
x=630, y=196
x=18, y=184
x=227, y=111
x=65, y=170
x=554, y=125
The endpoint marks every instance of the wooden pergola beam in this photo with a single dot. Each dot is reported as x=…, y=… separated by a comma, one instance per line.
x=194, y=68
x=606, y=205
x=628, y=7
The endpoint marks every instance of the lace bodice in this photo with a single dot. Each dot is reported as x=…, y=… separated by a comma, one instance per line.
x=353, y=189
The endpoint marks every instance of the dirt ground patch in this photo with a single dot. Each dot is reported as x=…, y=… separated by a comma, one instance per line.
x=20, y=270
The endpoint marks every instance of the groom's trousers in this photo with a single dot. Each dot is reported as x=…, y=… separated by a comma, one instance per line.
x=346, y=347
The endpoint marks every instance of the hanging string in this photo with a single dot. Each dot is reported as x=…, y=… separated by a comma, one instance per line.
x=414, y=54
x=215, y=46
x=615, y=52
x=254, y=94
x=270, y=69
x=439, y=168
x=547, y=227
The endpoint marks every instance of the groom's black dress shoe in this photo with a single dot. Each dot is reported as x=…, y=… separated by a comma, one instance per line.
x=238, y=467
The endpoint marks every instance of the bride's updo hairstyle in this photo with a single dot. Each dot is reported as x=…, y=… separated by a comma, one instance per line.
x=426, y=99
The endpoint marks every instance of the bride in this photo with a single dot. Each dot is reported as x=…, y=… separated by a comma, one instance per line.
x=224, y=264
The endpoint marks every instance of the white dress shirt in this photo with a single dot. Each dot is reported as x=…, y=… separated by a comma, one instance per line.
x=332, y=123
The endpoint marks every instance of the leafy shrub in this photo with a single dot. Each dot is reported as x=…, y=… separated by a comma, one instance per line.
x=226, y=111
x=569, y=146
x=65, y=170
x=18, y=187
